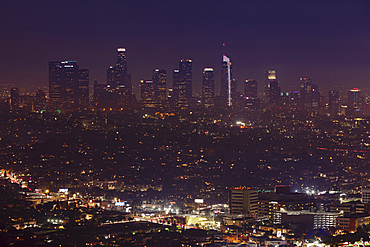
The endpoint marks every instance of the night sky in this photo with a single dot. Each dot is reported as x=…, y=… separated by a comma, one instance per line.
x=326, y=40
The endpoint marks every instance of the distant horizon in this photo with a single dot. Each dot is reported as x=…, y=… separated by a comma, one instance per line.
x=325, y=40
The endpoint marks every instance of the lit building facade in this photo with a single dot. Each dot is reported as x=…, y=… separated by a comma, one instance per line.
x=148, y=93
x=334, y=101
x=14, y=98
x=186, y=80
x=272, y=87
x=67, y=85
x=243, y=201
x=354, y=98
x=117, y=76
x=305, y=91
x=83, y=87
x=226, y=79
x=39, y=101
x=159, y=80
x=208, y=87
x=183, y=83
x=250, y=88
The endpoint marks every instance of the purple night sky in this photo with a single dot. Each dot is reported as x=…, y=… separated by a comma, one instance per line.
x=326, y=40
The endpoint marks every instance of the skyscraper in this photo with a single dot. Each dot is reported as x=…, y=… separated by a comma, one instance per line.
x=243, y=201
x=148, y=93
x=14, y=98
x=56, y=84
x=315, y=96
x=226, y=79
x=117, y=76
x=40, y=101
x=250, y=88
x=65, y=83
x=354, y=98
x=334, y=101
x=208, y=87
x=306, y=92
x=71, y=81
x=83, y=87
x=176, y=87
x=159, y=80
x=186, y=79
x=272, y=88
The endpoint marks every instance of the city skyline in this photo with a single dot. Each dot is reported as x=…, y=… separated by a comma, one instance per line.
x=326, y=41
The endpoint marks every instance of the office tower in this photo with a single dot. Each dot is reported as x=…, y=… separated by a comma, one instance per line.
x=14, y=98
x=269, y=75
x=315, y=96
x=243, y=201
x=39, y=101
x=226, y=79
x=272, y=88
x=159, y=80
x=274, y=91
x=186, y=81
x=208, y=87
x=117, y=75
x=354, y=98
x=64, y=84
x=71, y=81
x=147, y=92
x=111, y=81
x=306, y=92
x=83, y=87
x=334, y=101
x=56, y=84
x=250, y=88
x=121, y=64
x=176, y=87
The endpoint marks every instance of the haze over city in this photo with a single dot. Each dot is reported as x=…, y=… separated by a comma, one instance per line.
x=185, y=123
x=325, y=40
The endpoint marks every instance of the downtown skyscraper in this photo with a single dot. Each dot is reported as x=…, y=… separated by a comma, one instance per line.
x=68, y=84
x=183, y=83
x=226, y=79
x=250, y=88
x=117, y=75
x=159, y=80
x=208, y=87
x=272, y=87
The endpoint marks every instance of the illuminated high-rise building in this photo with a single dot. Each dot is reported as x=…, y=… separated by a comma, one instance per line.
x=121, y=64
x=117, y=76
x=269, y=76
x=243, y=201
x=159, y=80
x=14, y=98
x=56, y=84
x=334, y=101
x=83, y=87
x=226, y=79
x=272, y=88
x=306, y=92
x=39, y=101
x=64, y=84
x=71, y=82
x=176, y=88
x=354, y=98
x=186, y=79
x=250, y=88
x=208, y=87
x=148, y=93
x=315, y=96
